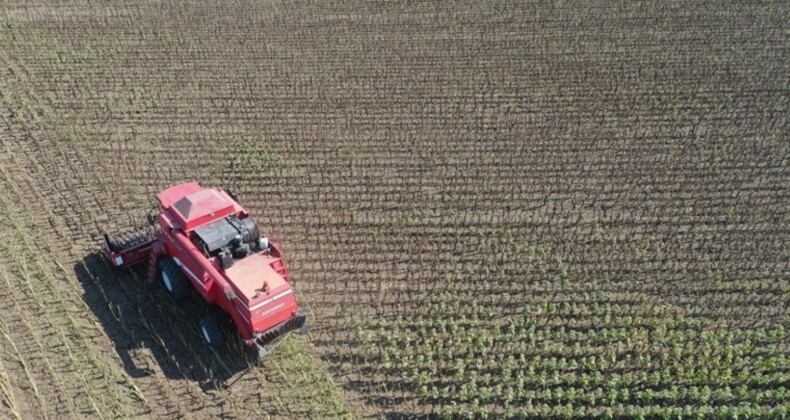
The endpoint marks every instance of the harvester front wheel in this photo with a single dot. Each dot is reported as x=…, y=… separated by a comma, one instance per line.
x=173, y=278
x=211, y=332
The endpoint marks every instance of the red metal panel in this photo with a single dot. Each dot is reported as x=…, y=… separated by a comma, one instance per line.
x=218, y=289
x=254, y=278
x=176, y=192
x=195, y=206
x=282, y=307
x=237, y=294
x=131, y=256
x=181, y=249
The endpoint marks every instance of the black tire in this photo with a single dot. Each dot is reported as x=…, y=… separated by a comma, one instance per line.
x=211, y=332
x=173, y=279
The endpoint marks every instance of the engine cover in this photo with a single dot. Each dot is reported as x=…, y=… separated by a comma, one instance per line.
x=231, y=233
x=216, y=234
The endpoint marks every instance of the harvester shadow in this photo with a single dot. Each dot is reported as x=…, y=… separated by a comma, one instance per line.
x=144, y=323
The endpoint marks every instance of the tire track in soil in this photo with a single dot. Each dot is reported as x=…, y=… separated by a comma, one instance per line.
x=9, y=388
x=77, y=336
x=159, y=114
x=43, y=174
x=22, y=353
x=172, y=398
x=127, y=291
x=25, y=172
x=157, y=320
x=28, y=328
x=37, y=326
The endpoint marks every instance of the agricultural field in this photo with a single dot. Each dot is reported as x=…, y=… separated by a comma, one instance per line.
x=489, y=209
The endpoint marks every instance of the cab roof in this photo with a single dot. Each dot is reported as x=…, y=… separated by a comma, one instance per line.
x=194, y=205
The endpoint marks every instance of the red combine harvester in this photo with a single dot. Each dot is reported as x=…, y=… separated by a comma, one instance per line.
x=206, y=239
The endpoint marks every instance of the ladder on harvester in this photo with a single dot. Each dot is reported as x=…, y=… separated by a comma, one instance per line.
x=156, y=250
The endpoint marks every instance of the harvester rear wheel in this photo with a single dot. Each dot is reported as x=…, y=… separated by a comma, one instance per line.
x=173, y=278
x=211, y=331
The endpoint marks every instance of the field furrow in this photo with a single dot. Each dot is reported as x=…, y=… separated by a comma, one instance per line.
x=488, y=209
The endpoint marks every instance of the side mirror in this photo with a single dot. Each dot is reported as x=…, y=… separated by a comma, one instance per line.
x=151, y=219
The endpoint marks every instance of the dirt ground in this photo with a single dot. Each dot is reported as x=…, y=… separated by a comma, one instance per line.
x=415, y=160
